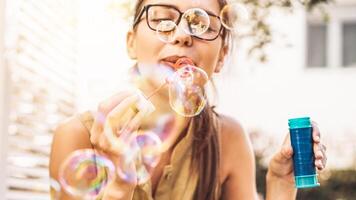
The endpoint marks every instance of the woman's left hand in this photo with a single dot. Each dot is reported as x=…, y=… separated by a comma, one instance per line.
x=281, y=165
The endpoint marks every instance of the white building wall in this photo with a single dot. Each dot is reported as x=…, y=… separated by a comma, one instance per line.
x=3, y=101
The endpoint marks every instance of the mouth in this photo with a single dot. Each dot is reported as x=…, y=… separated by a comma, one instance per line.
x=176, y=62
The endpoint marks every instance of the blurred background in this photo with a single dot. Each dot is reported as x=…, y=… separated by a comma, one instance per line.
x=61, y=57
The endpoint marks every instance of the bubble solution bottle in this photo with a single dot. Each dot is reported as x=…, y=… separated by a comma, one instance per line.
x=303, y=157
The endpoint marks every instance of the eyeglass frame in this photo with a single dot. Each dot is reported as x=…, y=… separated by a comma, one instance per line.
x=146, y=7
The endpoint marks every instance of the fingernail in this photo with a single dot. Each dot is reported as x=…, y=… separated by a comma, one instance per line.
x=317, y=163
x=320, y=163
x=320, y=154
x=317, y=138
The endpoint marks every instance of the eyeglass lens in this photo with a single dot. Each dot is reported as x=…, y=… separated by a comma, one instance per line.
x=195, y=21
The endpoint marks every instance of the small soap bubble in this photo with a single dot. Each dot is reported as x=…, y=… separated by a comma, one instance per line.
x=196, y=21
x=150, y=146
x=234, y=15
x=165, y=31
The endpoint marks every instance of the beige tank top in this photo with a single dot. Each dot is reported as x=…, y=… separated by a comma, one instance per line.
x=178, y=180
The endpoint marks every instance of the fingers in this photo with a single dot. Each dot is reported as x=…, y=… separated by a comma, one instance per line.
x=320, y=155
x=287, y=149
x=107, y=113
x=136, y=121
x=106, y=106
x=318, y=147
x=103, y=109
x=281, y=163
x=114, y=116
x=286, y=152
x=316, y=132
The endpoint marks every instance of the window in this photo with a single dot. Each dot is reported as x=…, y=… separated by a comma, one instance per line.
x=317, y=45
x=332, y=44
x=349, y=44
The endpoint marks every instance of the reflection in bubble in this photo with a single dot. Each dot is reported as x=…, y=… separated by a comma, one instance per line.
x=140, y=156
x=165, y=31
x=149, y=144
x=233, y=15
x=196, y=21
x=186, y=91
x=84, y=173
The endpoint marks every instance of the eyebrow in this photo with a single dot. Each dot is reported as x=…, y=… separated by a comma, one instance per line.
x=174, y=6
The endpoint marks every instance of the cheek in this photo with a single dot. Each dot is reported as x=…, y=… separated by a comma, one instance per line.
x=148, y=46
x=210, y=57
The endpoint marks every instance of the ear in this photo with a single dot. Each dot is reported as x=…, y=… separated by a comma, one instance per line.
x=223, y=52
x=131, y=44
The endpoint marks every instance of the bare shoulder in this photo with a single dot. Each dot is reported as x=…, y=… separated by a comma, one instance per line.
x=72, y=132
x=232, y=135
x=235, y=146
x=69, y=136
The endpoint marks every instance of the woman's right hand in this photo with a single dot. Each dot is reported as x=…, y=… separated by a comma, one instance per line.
x=116, y=116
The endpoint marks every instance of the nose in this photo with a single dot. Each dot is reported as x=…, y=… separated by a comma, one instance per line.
x=181, y=38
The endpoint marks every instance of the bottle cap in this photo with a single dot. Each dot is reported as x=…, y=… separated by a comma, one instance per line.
x=303, y=122
x=306, y=181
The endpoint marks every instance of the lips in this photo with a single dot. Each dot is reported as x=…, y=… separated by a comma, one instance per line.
x=177, y=62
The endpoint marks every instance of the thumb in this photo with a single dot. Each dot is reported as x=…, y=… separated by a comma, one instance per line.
x=286, y=152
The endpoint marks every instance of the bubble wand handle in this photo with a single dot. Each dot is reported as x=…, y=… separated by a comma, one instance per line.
x=156, y=90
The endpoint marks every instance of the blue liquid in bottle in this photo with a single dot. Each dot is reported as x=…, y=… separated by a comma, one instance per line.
x=303, y=158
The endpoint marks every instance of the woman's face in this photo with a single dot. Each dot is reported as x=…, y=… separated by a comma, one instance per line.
x=145, y=47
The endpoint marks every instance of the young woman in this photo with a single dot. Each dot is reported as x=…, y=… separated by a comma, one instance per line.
x=208, y=156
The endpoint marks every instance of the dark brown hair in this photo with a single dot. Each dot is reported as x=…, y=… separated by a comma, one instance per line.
x=205, y=148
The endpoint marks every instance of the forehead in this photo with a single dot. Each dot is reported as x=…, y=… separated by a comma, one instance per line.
x=183, y=5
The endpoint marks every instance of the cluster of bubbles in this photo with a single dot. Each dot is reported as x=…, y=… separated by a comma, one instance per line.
x=196, y=21
x=85, y=173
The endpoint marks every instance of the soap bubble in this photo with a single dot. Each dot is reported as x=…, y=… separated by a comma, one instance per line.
x=85, y=173
x=140, y=156
x=233, y=16
x=186, y=91
x=165, y=31
x=149, y=144
x=196, y=21
x=186, y=88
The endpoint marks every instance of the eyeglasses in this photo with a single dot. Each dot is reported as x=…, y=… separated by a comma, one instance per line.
x=197, y=22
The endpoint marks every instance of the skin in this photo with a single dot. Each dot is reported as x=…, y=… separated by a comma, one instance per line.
x=237, y=175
